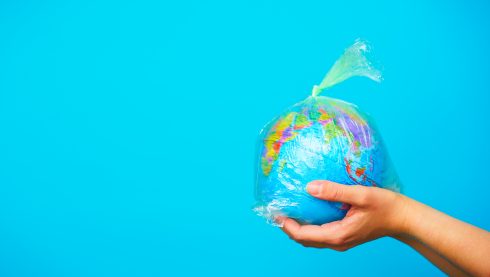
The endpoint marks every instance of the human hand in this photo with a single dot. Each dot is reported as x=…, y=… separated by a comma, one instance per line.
x=374, y=213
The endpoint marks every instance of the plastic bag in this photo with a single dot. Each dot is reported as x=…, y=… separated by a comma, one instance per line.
x=321, y=138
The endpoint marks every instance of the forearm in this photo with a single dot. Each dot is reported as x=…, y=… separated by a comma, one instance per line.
x=462, y=244
x=432, y=256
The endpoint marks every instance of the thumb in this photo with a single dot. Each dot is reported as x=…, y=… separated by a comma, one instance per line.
x=350, y=194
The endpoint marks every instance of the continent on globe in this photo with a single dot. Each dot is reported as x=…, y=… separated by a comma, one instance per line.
x=321, y=138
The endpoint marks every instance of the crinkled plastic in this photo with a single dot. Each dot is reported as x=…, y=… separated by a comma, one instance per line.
x=321, y=138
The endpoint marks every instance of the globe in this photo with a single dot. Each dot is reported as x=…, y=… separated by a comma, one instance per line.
x=320, y=138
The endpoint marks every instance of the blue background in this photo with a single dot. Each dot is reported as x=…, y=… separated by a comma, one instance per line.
x=128, y=128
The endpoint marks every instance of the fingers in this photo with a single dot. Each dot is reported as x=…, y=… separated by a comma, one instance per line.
x=351, y=194
x=327, y=234
x=299, y=232
x=331, y=235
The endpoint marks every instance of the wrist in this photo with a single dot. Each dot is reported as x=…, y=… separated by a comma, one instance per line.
x=402, y=217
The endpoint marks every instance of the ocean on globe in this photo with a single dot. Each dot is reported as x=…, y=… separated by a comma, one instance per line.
x=321, y=138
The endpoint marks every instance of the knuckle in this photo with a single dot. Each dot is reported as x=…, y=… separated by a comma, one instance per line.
x=338, y=241
x=363, y=199
x=365, y=196
x=297, y=236
x=336, y=193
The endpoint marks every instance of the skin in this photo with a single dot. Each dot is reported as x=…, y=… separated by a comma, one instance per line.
x=455, y=247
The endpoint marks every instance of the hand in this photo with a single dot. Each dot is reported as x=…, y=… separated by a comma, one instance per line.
x=456, y=247
x=374, y=213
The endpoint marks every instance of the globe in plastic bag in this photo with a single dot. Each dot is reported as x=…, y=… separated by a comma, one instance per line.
x=321, y=138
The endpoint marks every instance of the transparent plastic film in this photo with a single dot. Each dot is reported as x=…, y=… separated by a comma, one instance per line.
x=356, y=61
x=321, y=138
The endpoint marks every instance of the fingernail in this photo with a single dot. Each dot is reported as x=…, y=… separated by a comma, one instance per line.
x=313, y=188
